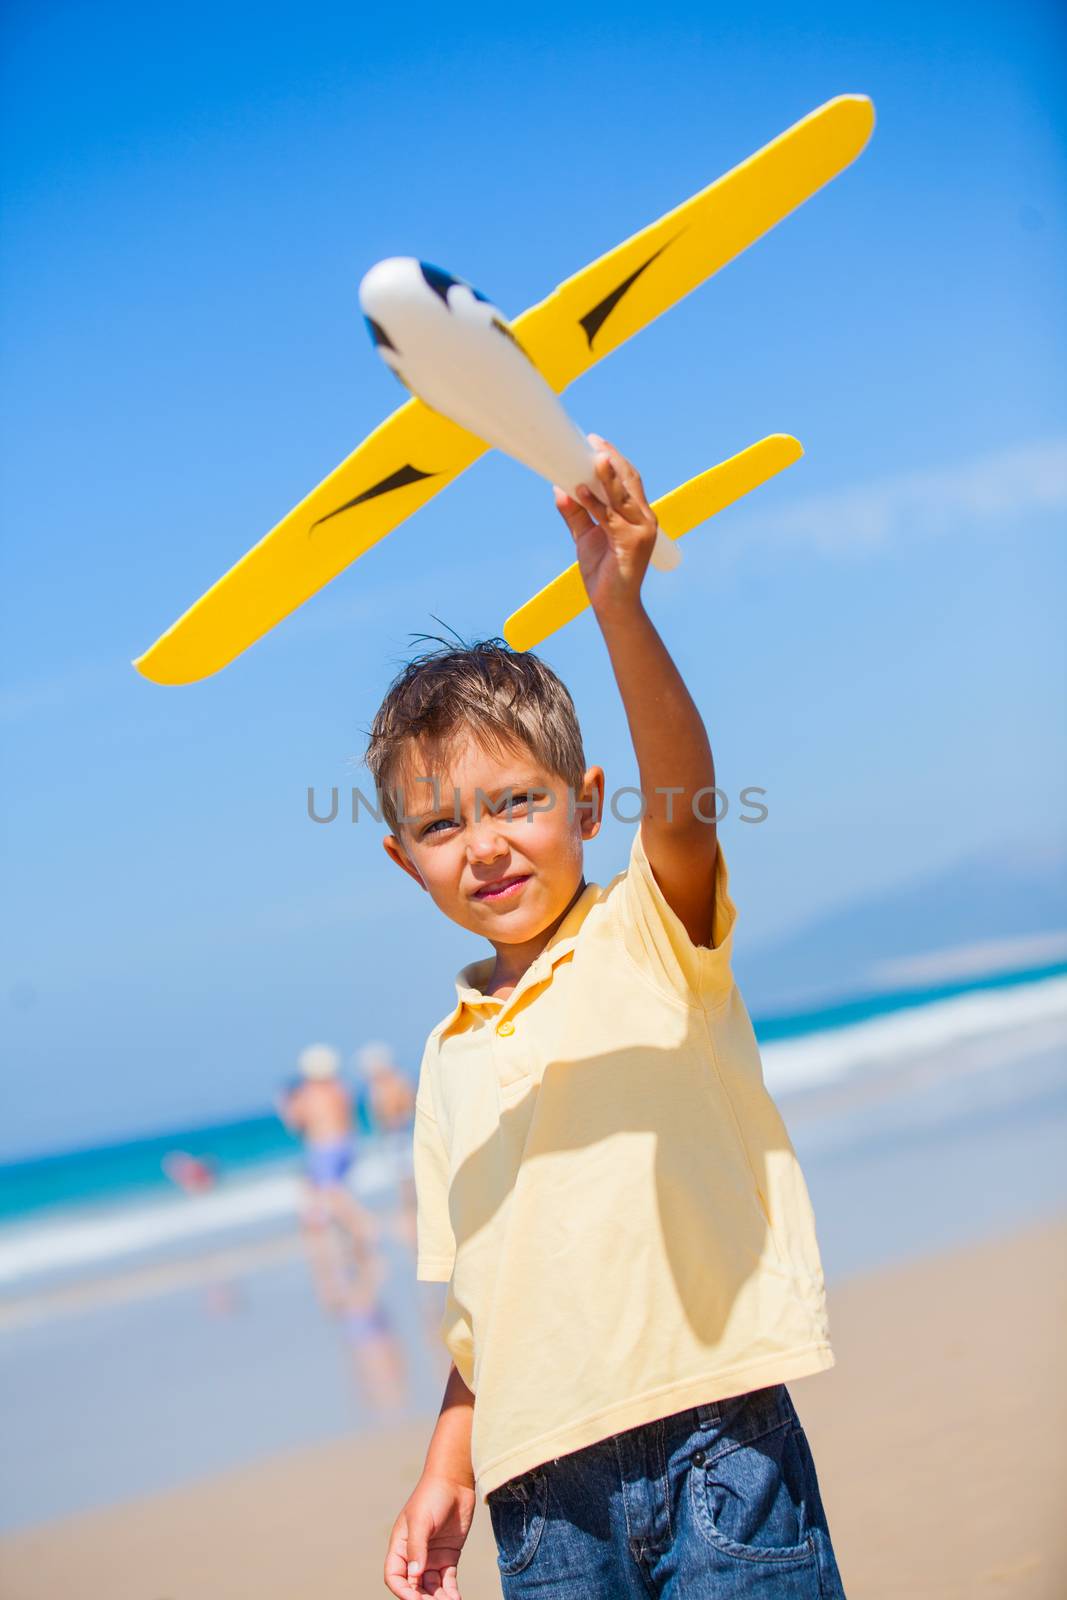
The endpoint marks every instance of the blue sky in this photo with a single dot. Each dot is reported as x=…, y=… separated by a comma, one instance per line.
x=192, y=194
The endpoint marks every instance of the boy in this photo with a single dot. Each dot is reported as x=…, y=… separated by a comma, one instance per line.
x=603, y=1181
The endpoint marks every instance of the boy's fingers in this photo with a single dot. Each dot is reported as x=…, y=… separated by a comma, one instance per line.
x=623, y=501
x=591, y=503
x=605, y=447
x=396, y=1564
x=601, y=448
x=623, y=485
x=631, y=477
x=624, y=469
x=573, y=513
x=418, y=1539
x=435, y=1583
x=396, y=1569
x=595, y=510
x=608, y=473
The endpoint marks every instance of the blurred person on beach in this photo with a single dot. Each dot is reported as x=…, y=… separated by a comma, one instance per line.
x=319, y=1108
x=191, y=1174
x=391, y=1104
x=375, y=1347
x=604, y=1182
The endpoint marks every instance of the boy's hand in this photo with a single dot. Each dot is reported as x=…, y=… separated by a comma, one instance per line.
x=614, y=541
x=429, y=1533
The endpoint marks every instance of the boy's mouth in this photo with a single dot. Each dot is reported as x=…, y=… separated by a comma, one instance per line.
x=503, y=888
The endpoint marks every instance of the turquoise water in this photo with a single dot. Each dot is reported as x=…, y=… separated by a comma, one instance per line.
x=862, y=1008
x=133, y=1168
x=949, y=1130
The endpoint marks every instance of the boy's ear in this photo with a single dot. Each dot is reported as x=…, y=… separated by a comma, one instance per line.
x=592, y=794
x=395, y=851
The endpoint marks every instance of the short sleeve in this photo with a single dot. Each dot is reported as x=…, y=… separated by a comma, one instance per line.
x=436, y=1246
x=657, y=940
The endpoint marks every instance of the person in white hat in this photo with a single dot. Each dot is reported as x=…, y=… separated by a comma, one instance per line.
x=319, y=1109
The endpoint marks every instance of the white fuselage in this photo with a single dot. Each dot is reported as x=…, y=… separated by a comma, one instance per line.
x=453, y=348
x=455, y=351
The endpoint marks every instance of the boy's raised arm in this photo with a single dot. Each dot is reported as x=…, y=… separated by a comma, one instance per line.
x=614, y=546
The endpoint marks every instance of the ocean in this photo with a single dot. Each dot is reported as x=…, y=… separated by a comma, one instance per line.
x=149, y=1337
x=76, y=1211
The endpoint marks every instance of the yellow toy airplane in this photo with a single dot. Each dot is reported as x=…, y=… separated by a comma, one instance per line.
x=415, y=452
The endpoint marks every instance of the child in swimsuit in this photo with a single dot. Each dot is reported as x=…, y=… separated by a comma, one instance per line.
x=319, y=1108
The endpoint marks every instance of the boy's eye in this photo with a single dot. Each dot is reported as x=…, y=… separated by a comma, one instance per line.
x=501, y=810
x=517, y=800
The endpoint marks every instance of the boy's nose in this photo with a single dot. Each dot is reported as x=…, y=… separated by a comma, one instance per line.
x=487, y=841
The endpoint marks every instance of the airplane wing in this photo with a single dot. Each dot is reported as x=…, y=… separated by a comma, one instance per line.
x=599, y=308
x=415, y=451
x=677, y=513
x=397, y=469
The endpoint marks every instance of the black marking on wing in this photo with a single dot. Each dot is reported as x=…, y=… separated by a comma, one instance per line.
x=400, y=479
x=503, y=328
x=594, y=320
x=379, y=335
x=438, y=279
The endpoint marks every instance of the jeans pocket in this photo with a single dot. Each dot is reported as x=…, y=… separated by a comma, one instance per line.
x=750, y=1490
x=517, y=1512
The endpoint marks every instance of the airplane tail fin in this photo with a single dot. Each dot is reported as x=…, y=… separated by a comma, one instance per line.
x=677, y=513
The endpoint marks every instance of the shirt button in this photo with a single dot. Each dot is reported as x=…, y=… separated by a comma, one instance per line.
x=505, y=1028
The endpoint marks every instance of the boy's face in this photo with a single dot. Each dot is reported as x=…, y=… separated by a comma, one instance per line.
x=459, y=852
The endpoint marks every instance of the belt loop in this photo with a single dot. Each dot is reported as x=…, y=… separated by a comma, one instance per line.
x=708, y=1416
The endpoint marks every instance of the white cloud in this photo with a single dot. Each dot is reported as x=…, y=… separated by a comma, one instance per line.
x=971, y=960
x=1022, y=479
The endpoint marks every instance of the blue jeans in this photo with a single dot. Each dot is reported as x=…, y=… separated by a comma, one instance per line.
x=718, y=1502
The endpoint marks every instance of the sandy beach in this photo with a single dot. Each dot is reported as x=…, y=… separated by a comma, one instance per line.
x=939, y=1438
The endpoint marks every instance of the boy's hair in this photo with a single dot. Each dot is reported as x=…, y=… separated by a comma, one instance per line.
x=504, y=698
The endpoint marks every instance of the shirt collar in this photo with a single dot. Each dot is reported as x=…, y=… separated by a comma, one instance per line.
x=470, y=977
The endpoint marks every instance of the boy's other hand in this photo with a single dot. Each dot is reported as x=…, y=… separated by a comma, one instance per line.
x=428, y=1536
x=613, y=541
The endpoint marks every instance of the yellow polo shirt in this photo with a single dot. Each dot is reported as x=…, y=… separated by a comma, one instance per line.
x=608, y=1188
